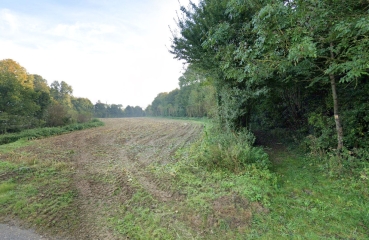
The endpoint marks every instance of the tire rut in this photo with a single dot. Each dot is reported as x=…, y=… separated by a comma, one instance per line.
x=107, y=158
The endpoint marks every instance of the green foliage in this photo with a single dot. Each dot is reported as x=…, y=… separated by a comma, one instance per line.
x=102, y=110
x=133, y=112
x=195, y=98
x=57, y=115
x=323, y=136
x=356, y=121
x=279, y=64
x=84, y=109
x=233, y=151
x=26, y=101
x=62, y=92
x=46, y=132
x=18, y=104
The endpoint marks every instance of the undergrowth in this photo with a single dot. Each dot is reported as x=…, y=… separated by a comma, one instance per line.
x=234, y=151
x=309, y=204
x=46, y=132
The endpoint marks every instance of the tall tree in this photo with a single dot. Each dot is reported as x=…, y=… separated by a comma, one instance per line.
x=18, y=105
x=11, y=67
x=62, y=92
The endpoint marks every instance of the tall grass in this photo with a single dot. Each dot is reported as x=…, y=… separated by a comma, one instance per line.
x=233, y=151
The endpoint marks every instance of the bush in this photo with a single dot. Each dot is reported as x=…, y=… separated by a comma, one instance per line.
x=233, y=151
x=84, y=117
x=323, y=140
x=57, y=115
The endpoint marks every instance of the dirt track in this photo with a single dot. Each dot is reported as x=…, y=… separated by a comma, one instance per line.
x=107, y=159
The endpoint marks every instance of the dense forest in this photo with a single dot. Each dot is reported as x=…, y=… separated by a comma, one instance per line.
x=27, y=101
x=300, y=66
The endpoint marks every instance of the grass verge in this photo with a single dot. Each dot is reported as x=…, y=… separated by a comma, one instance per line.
x=46, y=132
x=309, y=204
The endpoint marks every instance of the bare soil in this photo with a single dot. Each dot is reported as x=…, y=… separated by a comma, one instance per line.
x=106, y=159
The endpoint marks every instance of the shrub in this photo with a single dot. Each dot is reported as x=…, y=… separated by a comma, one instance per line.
x=233, y=151
x=57, y=115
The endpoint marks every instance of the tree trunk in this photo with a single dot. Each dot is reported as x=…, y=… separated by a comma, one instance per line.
x=336, y=113
x=337, y=118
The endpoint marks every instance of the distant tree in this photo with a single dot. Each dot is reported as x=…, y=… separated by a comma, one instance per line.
x=138, y=112
x=128, y=111
x=83, y=107
x=57, y=115
x=100, y=110
x=115, y=110
x=158, y=106
x=40, y=84
x=62, y=92
x=148, y=111
x=42, y=89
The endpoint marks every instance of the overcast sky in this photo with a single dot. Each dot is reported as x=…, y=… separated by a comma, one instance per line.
x=115, y=51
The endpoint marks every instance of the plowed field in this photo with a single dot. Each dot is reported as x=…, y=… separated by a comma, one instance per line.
x=109, y=165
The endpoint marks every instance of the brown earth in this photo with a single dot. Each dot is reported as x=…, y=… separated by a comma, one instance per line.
x=105, y=161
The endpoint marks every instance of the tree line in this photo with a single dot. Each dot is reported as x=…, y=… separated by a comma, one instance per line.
x=194, y=98
x=102, y=110
x=300, y=65
x=27, y=101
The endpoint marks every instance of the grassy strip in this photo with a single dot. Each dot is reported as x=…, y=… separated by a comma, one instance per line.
x=37, y=191
x=46, y=132
x=296, y=200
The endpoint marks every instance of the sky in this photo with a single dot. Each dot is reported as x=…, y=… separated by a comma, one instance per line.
x=115, y=51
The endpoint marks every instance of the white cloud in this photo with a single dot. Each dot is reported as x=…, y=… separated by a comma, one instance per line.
x=8, y=21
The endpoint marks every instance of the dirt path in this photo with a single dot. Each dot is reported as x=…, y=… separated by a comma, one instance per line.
x=8, y=232
x=107, y=159
x=272, y=146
